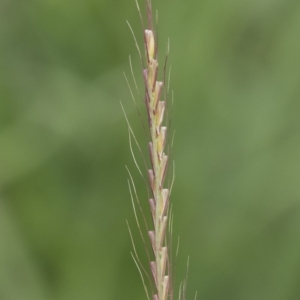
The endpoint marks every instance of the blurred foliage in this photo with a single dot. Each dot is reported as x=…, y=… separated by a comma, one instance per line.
x=64, y=144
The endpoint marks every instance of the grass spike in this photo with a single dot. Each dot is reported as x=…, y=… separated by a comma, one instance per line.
x=159, y=146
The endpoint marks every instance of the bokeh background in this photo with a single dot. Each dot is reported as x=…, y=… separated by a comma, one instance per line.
x=64, y=145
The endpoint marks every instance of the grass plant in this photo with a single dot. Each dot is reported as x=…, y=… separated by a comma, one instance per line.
x=155, y=100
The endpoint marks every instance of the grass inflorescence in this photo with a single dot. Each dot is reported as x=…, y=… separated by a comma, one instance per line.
x=155, y=100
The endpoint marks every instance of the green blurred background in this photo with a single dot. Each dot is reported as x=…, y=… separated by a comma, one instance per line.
x=64, y=146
